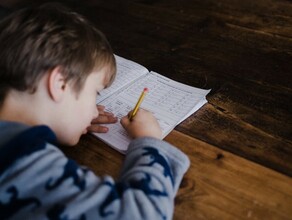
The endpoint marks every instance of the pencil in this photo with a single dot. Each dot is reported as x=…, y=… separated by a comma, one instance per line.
x=145, y=90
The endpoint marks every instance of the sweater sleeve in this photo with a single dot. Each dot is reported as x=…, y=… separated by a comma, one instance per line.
x=153, y=170
x=47, y=185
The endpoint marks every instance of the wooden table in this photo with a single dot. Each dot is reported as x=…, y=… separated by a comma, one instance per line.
x=240, y=143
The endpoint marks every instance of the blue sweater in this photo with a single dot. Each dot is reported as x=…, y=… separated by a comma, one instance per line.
x=37, y=181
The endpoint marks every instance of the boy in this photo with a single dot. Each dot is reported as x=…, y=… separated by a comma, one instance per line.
x=53, y=64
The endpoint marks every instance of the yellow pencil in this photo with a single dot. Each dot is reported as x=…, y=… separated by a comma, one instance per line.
x=145, y=90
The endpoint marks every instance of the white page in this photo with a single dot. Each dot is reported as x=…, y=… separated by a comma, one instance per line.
x=196, y=108
x=168, y=100
x=127, y=72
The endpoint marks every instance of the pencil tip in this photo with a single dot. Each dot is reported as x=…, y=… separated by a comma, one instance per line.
x=146, y=90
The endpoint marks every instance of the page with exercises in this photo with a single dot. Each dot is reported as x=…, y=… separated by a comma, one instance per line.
x=127, y=72
x=168, y=100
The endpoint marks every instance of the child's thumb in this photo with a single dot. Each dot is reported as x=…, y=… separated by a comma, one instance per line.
x=125, y=121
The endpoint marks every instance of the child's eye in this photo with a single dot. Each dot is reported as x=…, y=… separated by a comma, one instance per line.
x=98, y=93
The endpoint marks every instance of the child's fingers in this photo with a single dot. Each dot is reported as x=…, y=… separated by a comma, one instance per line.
x=103, y=119
x=100, y=107
x=97, y=129
x=125, y=121
x=130, y=113
x=101, y=111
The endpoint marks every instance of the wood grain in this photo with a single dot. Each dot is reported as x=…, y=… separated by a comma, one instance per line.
x=241, y=50
x=218, y=185
x=222, y=184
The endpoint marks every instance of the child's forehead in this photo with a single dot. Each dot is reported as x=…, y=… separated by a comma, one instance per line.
x=104, y=76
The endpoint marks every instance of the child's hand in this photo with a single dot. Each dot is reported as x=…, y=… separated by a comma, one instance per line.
x=144, y=124
x=103, y=118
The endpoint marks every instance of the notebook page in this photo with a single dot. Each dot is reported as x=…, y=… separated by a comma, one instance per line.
x=196, y=108
x=127, y=72
x=168, y=100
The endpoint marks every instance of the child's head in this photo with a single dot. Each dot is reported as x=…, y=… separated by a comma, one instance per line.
x=34, y=41
x=37, y=41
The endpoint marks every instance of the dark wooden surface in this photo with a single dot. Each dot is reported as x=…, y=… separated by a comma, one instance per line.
x=240, y=143
x=242, y=50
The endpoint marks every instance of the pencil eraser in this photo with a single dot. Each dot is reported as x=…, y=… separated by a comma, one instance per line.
x=146, y=90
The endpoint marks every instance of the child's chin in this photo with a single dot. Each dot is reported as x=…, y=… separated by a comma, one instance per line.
x=72, y=141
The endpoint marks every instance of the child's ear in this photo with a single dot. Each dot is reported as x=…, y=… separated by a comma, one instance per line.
x=56, y=84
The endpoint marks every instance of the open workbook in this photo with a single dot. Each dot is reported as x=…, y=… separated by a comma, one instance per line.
x=171, y=102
